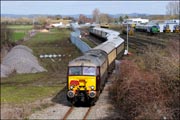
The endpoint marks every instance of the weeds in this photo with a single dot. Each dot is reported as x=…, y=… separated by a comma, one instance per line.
x=151, y=91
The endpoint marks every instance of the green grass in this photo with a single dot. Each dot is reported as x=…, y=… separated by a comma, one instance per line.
x=22, y=79
x=54, y=43
x=53, y=37
x=18, y=36
x=26, y=94
x=20, y=27
x=22, y=88
x=90, y=43
x=19, y=31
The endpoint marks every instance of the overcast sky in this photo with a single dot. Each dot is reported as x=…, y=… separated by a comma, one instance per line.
x=82, y=7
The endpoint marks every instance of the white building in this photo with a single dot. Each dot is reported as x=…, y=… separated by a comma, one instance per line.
x=57, y=24
x=173, y=21
x=136, y=21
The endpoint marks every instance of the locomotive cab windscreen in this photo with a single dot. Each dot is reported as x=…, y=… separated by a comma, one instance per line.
x=82, y=71
x=82, y=78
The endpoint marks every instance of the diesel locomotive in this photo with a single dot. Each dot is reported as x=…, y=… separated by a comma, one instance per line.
x=149, y=28
x=88, y=73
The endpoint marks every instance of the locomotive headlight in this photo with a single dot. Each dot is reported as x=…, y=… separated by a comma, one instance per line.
x=92, y=87
x=71, y=87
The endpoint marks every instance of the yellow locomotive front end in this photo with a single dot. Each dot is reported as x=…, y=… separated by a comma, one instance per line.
x=82, y=84
x=86, y=77
x=176, y=29
x=166, y=29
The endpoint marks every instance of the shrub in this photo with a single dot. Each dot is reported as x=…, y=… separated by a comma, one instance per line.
x=139, y=94
x=166, y=64
x=150, y=88
x=6, y=35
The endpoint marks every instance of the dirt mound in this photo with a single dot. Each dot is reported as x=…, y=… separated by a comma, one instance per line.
x=44, y=30
x=21, y=60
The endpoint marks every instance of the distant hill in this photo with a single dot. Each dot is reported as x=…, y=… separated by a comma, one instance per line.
x=19, y=16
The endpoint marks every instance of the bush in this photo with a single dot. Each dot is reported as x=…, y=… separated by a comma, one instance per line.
x=6, y=35
x=166, y=64
x=139, y=94
x=149, y=89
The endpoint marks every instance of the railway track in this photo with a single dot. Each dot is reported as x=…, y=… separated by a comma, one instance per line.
x=160, y=36
x=77, y=113
x=140, y=41
x=93, y=39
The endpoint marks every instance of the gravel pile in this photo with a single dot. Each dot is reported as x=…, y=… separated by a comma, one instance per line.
x=21, y=60
x=5, y=70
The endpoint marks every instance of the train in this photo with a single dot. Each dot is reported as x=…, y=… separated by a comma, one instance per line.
x=176, y=28
x=102, y=33
x=106, y=25
x=87, y=74
x=167, y=28
x=130, y=29
x=149, y=28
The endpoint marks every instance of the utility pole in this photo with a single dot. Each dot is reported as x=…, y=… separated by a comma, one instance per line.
x=127, y=38
x=33, y=21
x=126, y=51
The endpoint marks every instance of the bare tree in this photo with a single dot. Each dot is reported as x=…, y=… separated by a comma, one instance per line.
x=173, y=8
x=105, y=18
x=23, y=20
x=83, y=19
x=43, y=21
x=96, y=14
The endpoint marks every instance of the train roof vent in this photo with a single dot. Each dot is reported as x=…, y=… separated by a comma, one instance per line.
x=82, y=59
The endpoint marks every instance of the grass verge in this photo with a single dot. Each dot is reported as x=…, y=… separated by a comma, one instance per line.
x=22, y=88
x=20, y=27
x=18, y=36
x=26, y=94
x=90, y=43
x=19, y=31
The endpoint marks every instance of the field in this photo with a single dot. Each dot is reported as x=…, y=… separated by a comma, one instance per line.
x=19, y=31
x=27, y=88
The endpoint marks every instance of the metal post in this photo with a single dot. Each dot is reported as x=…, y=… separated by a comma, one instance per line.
x=33, y=21
x=127, y=38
